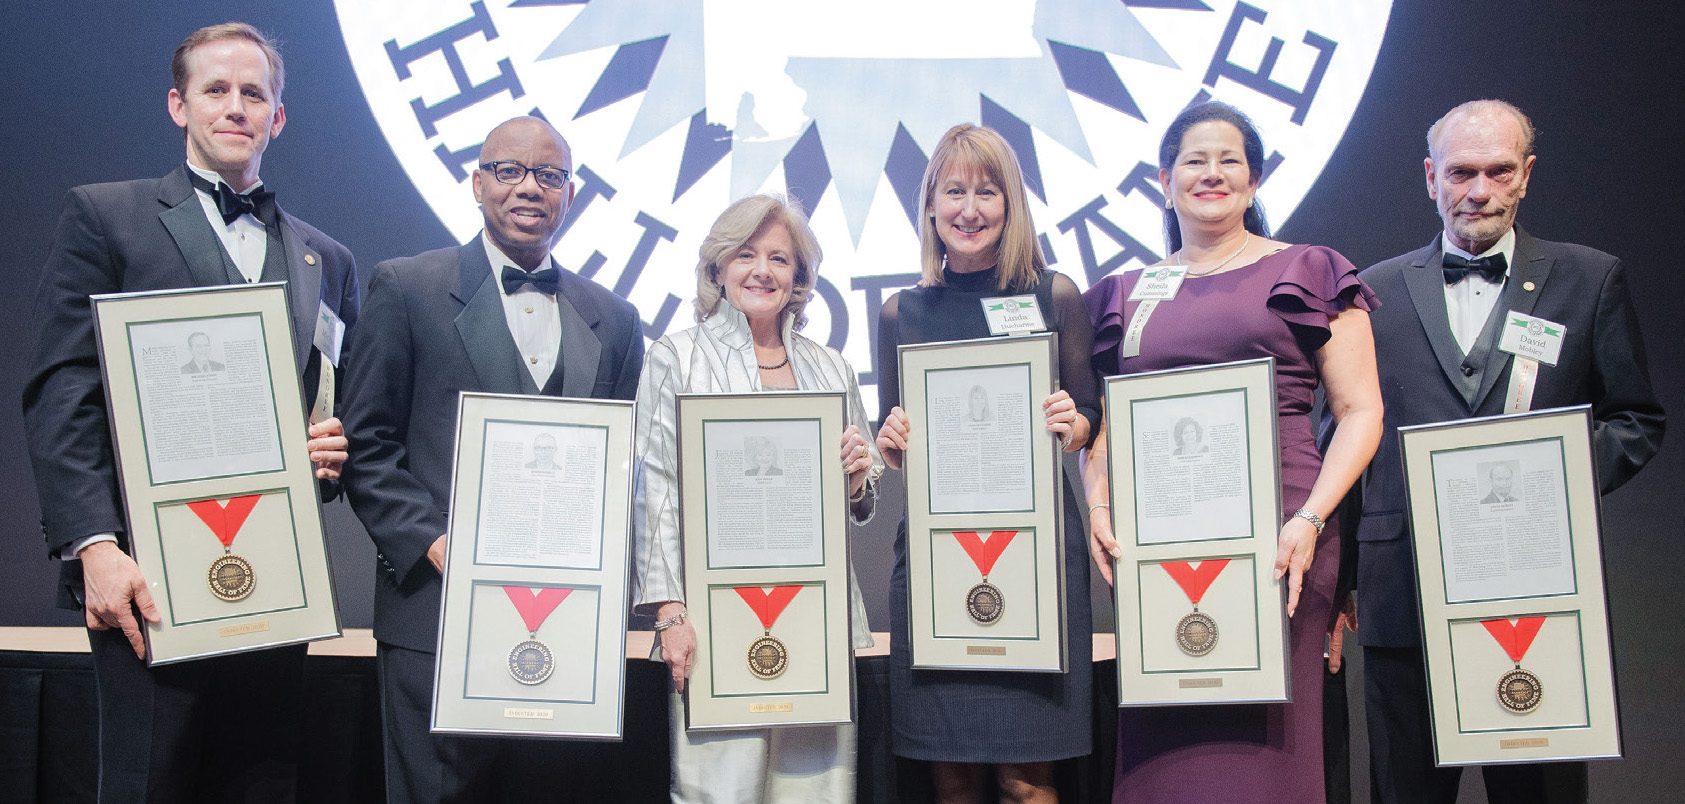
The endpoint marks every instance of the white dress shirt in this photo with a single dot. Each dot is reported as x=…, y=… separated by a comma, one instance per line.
x=246, y=239
x=533, y=316
x=1470, y=302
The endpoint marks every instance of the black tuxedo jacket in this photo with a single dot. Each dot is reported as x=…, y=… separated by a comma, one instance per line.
x=432, y=327
x=149, y=234
x=1602, y=363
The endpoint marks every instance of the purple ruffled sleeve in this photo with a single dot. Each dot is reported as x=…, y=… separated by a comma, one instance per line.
x=1105, y=300
x=1316, y=285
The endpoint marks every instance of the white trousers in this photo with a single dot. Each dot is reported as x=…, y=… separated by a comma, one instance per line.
x=809, y=764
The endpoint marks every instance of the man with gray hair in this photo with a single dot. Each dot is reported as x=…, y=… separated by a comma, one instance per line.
x=1437, y=344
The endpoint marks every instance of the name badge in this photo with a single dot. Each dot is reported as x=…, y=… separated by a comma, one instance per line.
x=1534, y=338
x=1010, y=314
x=1159, y=284
x=330, y=333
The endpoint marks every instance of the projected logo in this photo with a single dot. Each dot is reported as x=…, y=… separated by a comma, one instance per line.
x=674, y=108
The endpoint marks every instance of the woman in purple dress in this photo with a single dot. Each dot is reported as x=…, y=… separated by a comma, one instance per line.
x=1245, y=296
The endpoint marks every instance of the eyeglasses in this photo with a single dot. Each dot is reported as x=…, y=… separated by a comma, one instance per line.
x=512, y=172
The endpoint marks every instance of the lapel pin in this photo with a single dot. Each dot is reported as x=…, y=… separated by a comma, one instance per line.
x=310, y=259
x=1528, y=286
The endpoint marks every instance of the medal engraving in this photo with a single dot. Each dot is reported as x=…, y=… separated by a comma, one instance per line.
x=530, y=663
x=231, y=578
x=768, y=657
x=1520, y=691
x=1196, y=634
x=985, y=603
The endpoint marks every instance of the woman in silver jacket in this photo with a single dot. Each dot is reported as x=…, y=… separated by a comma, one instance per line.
x=755, y=274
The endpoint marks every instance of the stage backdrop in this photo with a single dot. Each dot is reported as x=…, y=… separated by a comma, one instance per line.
x=674, y=108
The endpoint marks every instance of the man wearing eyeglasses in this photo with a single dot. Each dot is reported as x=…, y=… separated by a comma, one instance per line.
x=495, y=315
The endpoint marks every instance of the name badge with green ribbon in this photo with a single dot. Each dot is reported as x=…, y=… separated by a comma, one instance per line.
x=1151, y=287
x=1159, y=284
x=1013, y=315
x=1533, y=341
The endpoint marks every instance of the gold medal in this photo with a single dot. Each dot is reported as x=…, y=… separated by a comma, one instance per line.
x=768, y=657
x=1520, y=691
x=985, y=603
x=231, y=577
x=1196, y=633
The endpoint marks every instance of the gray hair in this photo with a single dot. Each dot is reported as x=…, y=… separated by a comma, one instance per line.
x=1473, y=107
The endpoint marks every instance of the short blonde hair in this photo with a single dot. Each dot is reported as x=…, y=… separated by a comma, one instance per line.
x=229, y=30
x=967, y=147
x=737, y=225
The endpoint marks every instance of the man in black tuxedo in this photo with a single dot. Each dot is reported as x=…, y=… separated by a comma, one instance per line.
x=495, y=315
x=165, y=732
x=1437, y=335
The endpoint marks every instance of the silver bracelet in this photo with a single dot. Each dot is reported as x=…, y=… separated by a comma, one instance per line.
x=865, y=489
x=1310, y=516
x=677, y=619
x=1106, y=506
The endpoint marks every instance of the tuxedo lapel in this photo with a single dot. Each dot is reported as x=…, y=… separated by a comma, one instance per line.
x=1532, y=267
x=185, y=220
x=304, y=281
x=576, y=362
x=1426, y=283
x=482, y=327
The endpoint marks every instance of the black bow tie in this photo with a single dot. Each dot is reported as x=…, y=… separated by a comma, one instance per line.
x=546, y=281
x=1491, y=268
x=259, y=204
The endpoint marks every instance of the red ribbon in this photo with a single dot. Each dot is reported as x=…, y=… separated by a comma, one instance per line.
x=1515, y=637
x=224, y=517
x=536, y=604
x=1195, y=582
x=767, y=605
x=984, y=554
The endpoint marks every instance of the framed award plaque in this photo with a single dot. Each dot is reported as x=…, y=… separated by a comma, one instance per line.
x=208, y=425
x=763, y=509
x=985, y=562
x=1515, y=622
x=532, y=624
x=1196, y=509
